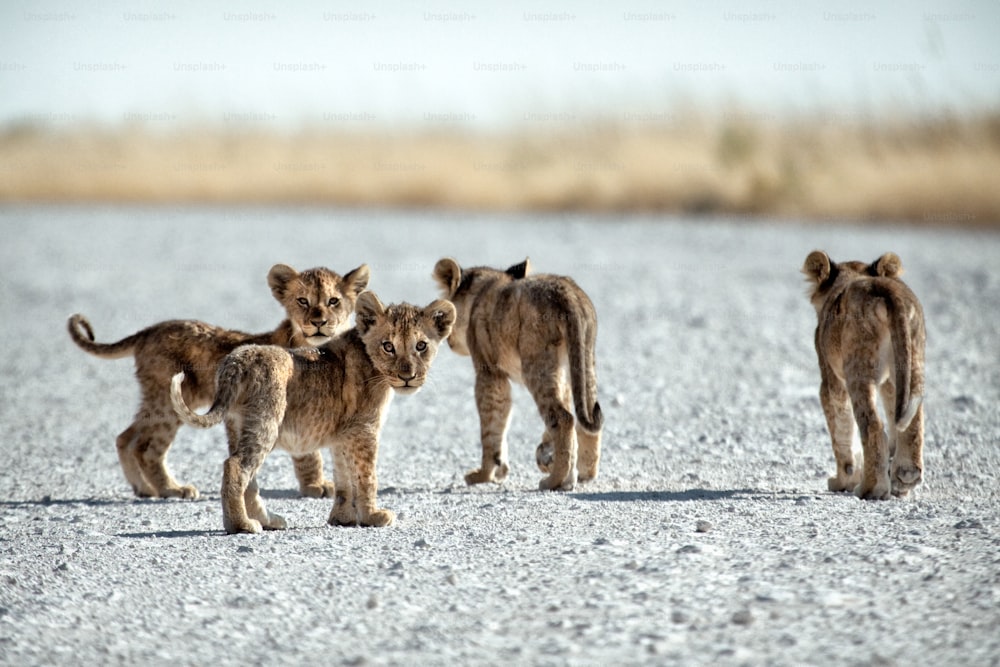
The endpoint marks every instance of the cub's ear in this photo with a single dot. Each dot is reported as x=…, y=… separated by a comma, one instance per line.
x=817, y=267
x=888, y=265
x=278, y=278
x=519, y=271
x=448, y=275
x=367, y=311
x=442, y=314
x=356, y=281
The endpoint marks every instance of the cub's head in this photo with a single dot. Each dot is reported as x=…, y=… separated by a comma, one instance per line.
x=823, y=273
x=462, y=286
x=318, y=301
x=402, y=340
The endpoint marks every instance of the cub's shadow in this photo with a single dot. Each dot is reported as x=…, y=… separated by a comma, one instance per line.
x=49, y=501
x=168, y=534
x=673, y=496
x=285, y=494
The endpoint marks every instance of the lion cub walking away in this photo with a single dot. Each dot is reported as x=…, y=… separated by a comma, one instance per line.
x=870, y=340
x=318, y=303
x=539, y=331
x=335, y=396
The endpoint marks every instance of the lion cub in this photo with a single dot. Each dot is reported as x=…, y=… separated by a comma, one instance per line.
x=335, y=396
x=318, y=303
x=539, y=331
x=870, y=340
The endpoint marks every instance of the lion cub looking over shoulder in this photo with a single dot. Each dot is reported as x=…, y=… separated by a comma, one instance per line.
x=539, y=331
x=870, y=340
x=318, y=303
x=335, y=396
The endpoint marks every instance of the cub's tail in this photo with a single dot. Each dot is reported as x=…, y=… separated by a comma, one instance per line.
x=189, y=416
x=907, y=401
x=582, y=336
x=83, y=335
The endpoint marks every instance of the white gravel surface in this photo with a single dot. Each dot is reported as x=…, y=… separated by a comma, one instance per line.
x=708, y=538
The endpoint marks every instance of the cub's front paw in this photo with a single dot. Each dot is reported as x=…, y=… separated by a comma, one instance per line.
x=186, y=492
x=552, y=484
x=478, y=476
x=324, y=489
x=246, y=526
x=844, y=480
x=343, y=515
x=379, y=518
x=876, y=492
x=585, y=475
x=495, y=474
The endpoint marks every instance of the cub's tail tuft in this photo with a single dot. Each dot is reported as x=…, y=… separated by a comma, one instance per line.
x=189, y=416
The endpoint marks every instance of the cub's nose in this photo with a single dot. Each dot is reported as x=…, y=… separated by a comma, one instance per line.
x=406, y=372
x=318, y=323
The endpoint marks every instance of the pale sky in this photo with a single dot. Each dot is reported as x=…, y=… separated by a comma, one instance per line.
x=360, y=64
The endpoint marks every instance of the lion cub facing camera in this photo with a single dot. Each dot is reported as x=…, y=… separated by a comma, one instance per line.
x=318, y=304
x=870, y=341
x=540, y=331
x=333, y=396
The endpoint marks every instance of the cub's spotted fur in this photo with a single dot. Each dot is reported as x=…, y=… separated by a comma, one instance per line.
x=870, y=341
x=540, y=331
x=334, y=396
x=318, y=303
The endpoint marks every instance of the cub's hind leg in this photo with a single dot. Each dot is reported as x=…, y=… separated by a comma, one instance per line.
x=875, y=475
x=840, y=423
x=588, y=444
x=243, y=509
x=588, y=453
x=255, y=508
x=309, y=472
x=888, y=394
x=908, y=463
x=543, y=381
x=142, y=452
x=493, y=401
x=126, y=444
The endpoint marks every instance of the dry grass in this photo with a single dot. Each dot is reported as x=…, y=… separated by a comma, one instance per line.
x=937, y=172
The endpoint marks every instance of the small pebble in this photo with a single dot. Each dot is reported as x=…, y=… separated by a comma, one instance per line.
x=743, y=617
x=702, y=526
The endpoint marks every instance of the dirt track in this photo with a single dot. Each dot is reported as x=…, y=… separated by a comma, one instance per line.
x=709, y=537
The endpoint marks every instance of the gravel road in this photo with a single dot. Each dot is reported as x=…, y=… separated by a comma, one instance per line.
x=708, y=539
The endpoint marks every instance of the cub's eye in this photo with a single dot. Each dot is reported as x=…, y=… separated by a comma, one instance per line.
x=333, y=302
x=421, y=346
x=304, y=302
x=388, y=347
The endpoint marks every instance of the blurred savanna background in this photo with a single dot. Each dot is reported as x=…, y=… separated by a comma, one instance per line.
x=820, y=111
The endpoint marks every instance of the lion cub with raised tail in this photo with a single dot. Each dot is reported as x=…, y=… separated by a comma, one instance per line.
x=318, y=303
x=334, y=396
x=870, y=341
x=540, y=331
